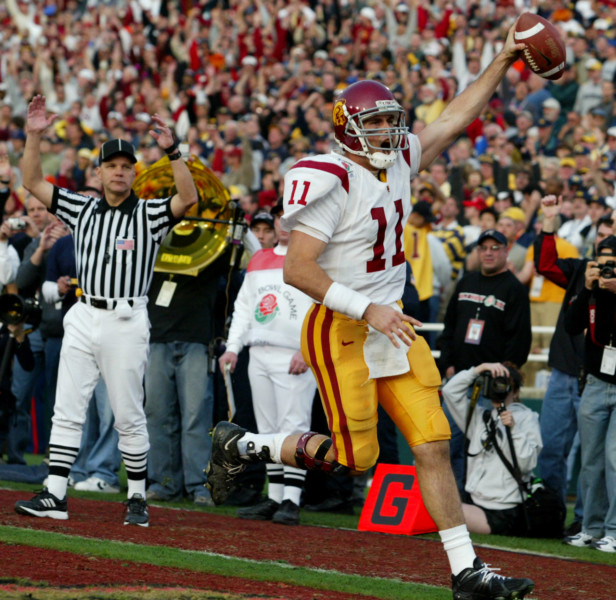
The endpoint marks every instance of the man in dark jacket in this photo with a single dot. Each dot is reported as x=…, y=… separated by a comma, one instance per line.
x=593, y=310
x=487, y=320
x=561, y=402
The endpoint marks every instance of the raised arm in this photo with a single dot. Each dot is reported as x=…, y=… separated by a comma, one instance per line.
x=467, y=106
x=184, y=183
x=36, y=123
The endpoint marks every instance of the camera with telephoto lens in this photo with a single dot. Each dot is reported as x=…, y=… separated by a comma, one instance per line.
x=14, y=309
x=495, y=388
x=16, y=224
x=607, y=269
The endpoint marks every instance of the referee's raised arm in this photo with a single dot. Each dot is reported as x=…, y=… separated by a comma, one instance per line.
x=186, y=191
x=37, y=122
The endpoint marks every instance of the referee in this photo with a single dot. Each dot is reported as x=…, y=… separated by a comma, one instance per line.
x=106, y=333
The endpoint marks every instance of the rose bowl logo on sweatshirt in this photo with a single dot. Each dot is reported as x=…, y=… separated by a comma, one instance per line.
x=266, y=309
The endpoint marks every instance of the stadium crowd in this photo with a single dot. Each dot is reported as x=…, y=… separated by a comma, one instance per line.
x=248, y=88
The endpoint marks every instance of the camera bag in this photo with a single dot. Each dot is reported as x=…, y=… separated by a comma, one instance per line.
x=543, y=508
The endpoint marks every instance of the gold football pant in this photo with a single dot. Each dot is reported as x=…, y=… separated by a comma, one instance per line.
x=332, y=345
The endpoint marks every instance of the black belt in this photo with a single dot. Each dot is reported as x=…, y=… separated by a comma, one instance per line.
x=102, y=303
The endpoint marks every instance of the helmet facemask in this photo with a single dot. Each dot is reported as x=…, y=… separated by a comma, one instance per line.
x=383, y=155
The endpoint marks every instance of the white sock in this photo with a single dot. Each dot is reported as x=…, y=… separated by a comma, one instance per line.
x=459, y=548
x=273, y=441
x=136, y=486
x=294, y=480
x=57, y=485
x=275, y=482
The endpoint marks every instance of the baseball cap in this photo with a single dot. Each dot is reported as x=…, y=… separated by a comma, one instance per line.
x=592, y=64
x=597, y=199
x=262, y=217
x=611, y=131
x=479, y=203
x=402, y=8
x=492, y=234
x=601, y=24
x=551, y=103
x=424, y=209
x=597, y=111
x=567, y=161
x=426, y=185
x=515, y=213
x=85, y=153
x=576, y=180
x=112, y=147
x=368, y=13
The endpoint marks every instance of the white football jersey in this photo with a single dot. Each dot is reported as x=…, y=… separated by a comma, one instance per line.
x=361, y=219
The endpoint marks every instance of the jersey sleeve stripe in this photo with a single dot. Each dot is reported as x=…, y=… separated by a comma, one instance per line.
x=336, y=170
x=406, y=154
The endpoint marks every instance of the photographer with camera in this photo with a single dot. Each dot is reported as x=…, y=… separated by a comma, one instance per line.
x=495, y=500
x=594, y=310
x=13, y=343
x=42, y=231
x=9, y=259
x=559, y=410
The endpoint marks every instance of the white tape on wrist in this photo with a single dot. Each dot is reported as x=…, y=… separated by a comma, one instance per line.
x=346, y=301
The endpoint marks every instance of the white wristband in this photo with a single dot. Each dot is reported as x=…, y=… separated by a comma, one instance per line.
x=346, y=301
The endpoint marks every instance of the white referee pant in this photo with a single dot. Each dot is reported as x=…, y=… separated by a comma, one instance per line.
x=282, y=402
x=100, y=342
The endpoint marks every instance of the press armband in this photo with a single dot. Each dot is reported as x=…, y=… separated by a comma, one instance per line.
x=346, y=301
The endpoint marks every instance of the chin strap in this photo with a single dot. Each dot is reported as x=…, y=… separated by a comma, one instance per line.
x=318, y=462
x=382, y=160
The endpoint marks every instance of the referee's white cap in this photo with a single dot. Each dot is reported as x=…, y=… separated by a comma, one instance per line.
x=117, y=146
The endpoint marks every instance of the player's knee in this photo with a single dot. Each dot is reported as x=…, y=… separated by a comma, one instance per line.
x=365, y=457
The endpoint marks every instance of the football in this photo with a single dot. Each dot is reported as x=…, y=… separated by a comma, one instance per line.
x=545, y=50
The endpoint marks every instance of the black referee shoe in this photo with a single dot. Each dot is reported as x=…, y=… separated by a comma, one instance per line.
x=481, y=583
x=137, y=511
x=44, y=504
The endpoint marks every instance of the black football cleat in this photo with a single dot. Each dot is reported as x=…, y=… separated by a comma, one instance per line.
x=287, y=514
x=482, y=583
x=264, y=511
x=225, y=463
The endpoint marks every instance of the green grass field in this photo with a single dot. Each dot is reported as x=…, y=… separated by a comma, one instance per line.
x=203, y=562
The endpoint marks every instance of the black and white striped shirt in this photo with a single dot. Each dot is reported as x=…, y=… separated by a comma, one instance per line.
x=115, y=248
